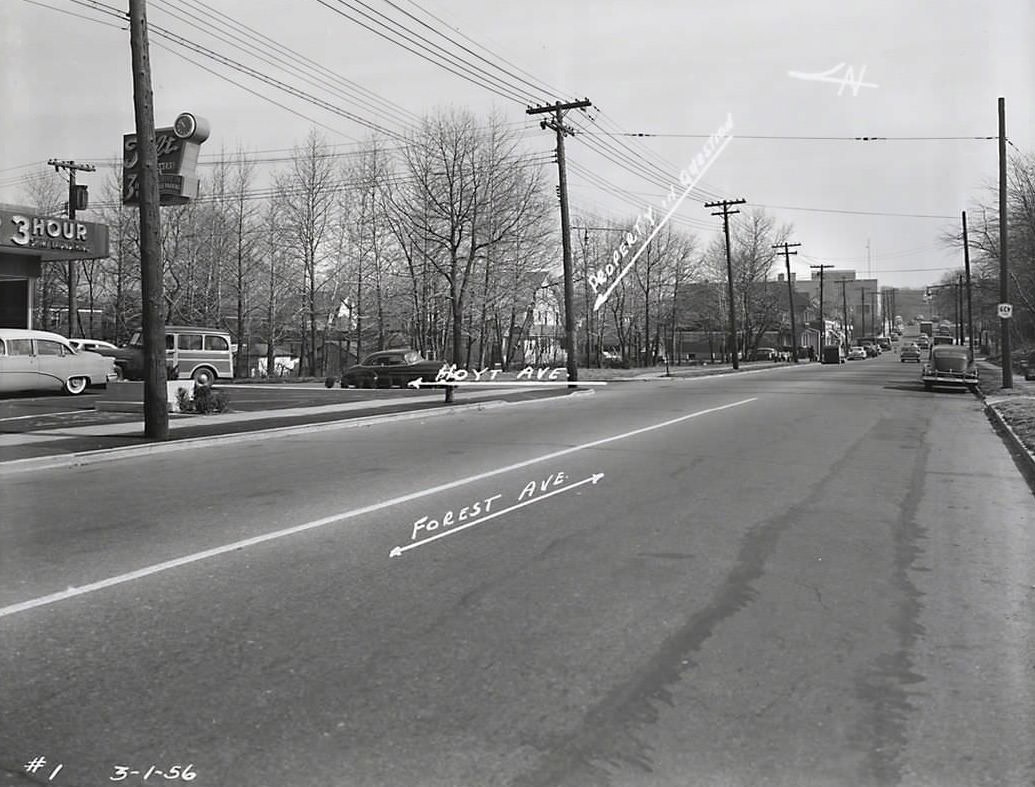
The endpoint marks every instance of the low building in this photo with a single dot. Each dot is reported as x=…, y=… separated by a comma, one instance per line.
x=27, y=240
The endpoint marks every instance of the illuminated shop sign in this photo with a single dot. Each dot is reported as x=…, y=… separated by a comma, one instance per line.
x=178, y=147
x=51, y=237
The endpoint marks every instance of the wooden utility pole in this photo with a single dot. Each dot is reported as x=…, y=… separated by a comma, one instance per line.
x=844, y=311
x=557, y=124
x=156, y=413
x=726, y=213
x=966, y=267
x=959, y=308
x=1004, y=283
x=822, y=322
x=73, y=200
x=862, y=315
x=790, y=293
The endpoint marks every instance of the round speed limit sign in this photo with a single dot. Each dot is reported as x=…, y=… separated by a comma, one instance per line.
x=1005, y=311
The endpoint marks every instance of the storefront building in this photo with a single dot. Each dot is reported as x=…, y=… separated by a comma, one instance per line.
x=27, y=240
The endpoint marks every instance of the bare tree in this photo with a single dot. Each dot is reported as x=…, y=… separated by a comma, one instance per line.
x=455, y=172
x=307, y=194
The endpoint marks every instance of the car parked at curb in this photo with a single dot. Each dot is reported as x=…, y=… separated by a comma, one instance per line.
x=389, y=368
x=856, y=354
x=950, y=365
x=44, y=361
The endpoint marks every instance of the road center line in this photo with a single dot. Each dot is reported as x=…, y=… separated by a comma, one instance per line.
x=73, y=592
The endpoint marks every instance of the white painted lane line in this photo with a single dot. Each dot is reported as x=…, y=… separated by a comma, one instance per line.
x=73, y=592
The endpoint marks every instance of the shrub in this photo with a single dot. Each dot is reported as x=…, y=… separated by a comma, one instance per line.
x=205, y=400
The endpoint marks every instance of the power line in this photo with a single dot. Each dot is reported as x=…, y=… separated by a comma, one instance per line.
x=805, y=138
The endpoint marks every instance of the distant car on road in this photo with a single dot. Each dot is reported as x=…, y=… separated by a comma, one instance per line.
x=856, y=354
x=923, y=342
x=909, y=353
x=390, y=367
x=764, y=354
x=950, y=365
x=833, y=354
x=93, y=345
x=43, y=361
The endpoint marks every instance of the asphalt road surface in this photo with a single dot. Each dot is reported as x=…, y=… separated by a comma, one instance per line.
x=819, y=575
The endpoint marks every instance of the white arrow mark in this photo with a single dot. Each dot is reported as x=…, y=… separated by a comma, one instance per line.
x=419, y=383
x=397, y=551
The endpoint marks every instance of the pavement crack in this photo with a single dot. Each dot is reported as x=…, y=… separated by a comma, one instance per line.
x=887, y=686
x=609, y=732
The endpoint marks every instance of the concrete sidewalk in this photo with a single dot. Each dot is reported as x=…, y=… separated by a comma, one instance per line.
x=75, y=444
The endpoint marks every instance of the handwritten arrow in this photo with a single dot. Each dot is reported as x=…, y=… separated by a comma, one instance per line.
x=397, y=551
x=848, y=80
x=602, y=297
x=419, y=383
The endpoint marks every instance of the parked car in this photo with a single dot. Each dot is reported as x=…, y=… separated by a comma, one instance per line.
x=93, y=345
x=856, y=354
x=909, y=353
x=764, y=354
x=1029, y=366
x=202, y=354
x=884, y=344
x=390, y=367
x=952, y=365
x=924, y=342
x=43, y=361
x=832, y=354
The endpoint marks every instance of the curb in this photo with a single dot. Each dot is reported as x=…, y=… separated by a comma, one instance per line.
x=84, y=458
x=726, y=373
x=1024, y=457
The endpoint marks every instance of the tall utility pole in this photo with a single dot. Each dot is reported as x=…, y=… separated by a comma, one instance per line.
x=844, y=310
x=790, y=294
x=557, y=124
x=726, y=213
x=73, y=199
x=156, y=413
x=862, y=312
x=873, y=310
x=822, y=322
x=1004, y=288
x=966, y=267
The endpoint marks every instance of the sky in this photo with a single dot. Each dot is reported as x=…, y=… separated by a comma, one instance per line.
x=673, y=69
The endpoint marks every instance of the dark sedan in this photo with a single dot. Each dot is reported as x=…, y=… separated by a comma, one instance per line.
x=950, y=364
x=390, y=368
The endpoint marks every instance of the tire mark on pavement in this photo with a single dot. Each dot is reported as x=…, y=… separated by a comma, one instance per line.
x=607, y=735
x=886, y=687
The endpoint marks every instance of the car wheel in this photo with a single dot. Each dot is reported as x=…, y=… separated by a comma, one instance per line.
x=75, y=385
x=203, y=376
x=329, y=382
x=344, y=382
